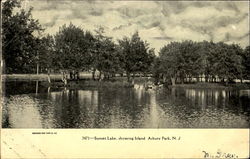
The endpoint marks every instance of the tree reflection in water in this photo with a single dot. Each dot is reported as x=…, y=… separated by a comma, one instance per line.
x=127, y=108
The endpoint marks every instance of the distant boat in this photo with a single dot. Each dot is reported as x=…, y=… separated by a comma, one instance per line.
x=148, y=85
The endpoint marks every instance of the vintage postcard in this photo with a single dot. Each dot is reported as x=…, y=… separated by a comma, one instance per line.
x=124, y=79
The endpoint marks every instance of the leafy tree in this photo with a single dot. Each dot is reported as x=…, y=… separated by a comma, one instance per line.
x=106, y=56
x=237, y=61
x=180, y=59
x=46, y=53
x=157, y=70
x=190, y=60
x=72, y=48
x=208, y=56
x=19, y=42
x=169, y=61
x=110, y=59
x=137, y=56
x=246, y=63
x=228, y=62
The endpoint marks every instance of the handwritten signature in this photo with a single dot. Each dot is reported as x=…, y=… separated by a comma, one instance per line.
x=219, y=154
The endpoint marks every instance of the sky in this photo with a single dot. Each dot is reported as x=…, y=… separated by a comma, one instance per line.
x=158, y=22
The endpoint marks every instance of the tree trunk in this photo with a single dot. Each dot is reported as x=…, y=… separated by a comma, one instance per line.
x=37, y=68
x=104, y=76
x=71, y=75
x=163, y=78
x=206, y=79
x=182, y=80
x=93, y=74
x=210, y=79
x=241, y=78
x=74, y=75
x=198, y=79
x=48, y=73
x=133, y=79
x=223, y=80
x=128, y=76
x=227, y=81
x=64, y=78
x=77, y=75
x=173, y=81
x=100, y=76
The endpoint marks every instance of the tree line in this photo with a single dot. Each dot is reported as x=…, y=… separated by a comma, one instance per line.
x=183, y=61
x=73, y=49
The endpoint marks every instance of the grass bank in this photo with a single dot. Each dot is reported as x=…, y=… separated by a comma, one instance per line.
x=82, y=84
x=213, y=86
x=39, y=77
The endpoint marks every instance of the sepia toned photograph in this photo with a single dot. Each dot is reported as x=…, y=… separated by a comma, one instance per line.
x=125, y=64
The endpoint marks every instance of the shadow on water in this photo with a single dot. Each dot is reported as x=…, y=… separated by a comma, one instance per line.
x=29, y=105
x=23, y=87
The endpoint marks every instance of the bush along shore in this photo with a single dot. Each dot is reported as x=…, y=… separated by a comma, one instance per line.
x=212, y=86
x=86, y=82
x=122, y=83
x=82, y=84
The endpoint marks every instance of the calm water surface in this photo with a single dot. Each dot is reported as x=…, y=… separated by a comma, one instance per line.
x=28, y=105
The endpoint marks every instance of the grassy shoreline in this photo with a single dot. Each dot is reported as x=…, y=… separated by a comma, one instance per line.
x=213, y=86
x=39, y=77
x=87, y=82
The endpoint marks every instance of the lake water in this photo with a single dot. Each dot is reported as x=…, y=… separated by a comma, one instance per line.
x=28, y=105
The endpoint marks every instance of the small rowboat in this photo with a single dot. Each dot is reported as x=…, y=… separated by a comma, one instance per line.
x=150, y=86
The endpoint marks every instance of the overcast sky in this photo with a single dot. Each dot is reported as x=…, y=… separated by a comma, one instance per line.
x=158, y=22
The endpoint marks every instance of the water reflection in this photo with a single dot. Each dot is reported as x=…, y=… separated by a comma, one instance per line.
x=22, y=112
x=128, y=108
